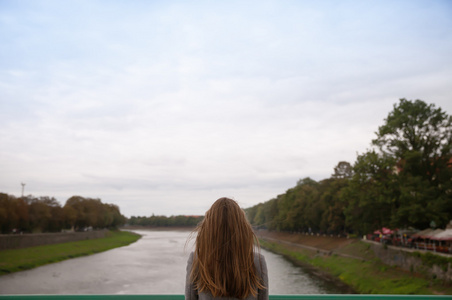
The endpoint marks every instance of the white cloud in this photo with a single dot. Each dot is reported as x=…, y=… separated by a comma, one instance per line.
x=162, y=108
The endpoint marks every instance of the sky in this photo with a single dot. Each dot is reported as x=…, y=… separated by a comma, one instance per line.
x=162, y=107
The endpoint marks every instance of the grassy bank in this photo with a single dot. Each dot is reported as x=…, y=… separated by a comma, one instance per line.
x=367, y=275
x=15, y=260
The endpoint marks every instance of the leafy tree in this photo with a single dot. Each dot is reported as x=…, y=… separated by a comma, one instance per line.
x=263, y=215
x=44, y=214
x=369, y=198
x=309, y=205
x=69, y=216
x=408, y=181
x=405, y=180
x=343, y=170
x=333, y=218
x=84, y=212
x=416, y=127
x=255, y=214
x=164, y=221
x=308, y=208
x=8, y=217
x=418, y=136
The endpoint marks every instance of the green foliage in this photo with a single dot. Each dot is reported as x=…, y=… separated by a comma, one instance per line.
x=418, y=137
x=22, y=259
x=343, y=170
x=416, y=127
x=405, y=182
x=369, y=195
x=44, y=214
x=86, y=212
x=163, y=221
x=310, y=205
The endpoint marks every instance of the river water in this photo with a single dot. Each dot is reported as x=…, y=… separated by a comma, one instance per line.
x=155, y=264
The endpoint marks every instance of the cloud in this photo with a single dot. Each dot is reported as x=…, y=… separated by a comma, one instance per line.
x=164, y=107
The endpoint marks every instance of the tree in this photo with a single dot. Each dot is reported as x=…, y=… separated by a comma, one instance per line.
x=408, y=181
x=333, y=218
x=70, y=216
x=369, y=198
x=40, y=215
x=405, y=180
x=343, y=170
x=84, y=212
x=419, y=137
x=416, y=127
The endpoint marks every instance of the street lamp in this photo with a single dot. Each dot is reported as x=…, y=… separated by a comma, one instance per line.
x=23, y=186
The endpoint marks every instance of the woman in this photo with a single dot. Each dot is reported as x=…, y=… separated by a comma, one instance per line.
x=224, y=264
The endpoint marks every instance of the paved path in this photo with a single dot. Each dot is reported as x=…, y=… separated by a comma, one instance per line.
x=325, y=252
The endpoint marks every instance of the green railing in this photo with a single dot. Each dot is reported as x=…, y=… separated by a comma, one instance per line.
x=181, y=297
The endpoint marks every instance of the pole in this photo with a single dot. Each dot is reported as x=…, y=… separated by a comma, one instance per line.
x=23, y=186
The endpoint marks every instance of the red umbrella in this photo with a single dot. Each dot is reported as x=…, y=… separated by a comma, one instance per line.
x=387, y=230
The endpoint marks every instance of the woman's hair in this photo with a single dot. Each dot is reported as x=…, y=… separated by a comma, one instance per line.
x=223, y=263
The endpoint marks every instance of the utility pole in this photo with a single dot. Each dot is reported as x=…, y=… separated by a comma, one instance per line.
x=23, y=186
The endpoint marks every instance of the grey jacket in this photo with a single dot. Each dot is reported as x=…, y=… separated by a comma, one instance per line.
x=261, y=267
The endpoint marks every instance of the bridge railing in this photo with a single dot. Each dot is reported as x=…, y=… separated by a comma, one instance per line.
x=181, y=297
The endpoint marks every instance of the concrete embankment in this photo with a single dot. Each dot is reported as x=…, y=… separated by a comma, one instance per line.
x=436, y=265
x=17, y=241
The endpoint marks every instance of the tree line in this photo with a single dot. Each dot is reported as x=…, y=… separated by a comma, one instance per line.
x=44, y=214
x=164, y=221
x=404, y=180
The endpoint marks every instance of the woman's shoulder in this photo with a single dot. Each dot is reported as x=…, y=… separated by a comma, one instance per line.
x=259, y=262
x=190, y=259
x=258, y=256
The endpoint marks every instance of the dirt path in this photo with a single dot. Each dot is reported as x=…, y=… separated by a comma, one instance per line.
x=326, y=243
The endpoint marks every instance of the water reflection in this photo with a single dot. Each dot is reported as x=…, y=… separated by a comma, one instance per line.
x=287, y=278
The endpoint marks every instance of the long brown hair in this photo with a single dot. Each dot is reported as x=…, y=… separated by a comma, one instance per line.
x=223, y=263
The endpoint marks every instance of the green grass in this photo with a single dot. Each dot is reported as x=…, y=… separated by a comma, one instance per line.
x=364, y=276
x=15, y=260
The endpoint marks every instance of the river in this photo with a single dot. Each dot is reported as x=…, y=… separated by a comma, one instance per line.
x=155, y=264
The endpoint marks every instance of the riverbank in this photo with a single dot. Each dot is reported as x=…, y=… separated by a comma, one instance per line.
x=351, y=261
x=17, y=241
x=159, y=228
x=15, y=260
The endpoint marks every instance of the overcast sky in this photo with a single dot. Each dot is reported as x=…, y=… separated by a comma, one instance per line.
x=161, y=107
